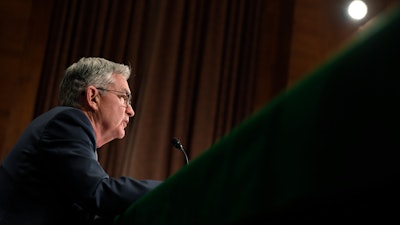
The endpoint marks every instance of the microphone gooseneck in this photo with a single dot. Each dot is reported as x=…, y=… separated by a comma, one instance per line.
x=177, y=144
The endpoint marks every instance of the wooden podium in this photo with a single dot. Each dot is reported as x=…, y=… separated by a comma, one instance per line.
x=327, y=150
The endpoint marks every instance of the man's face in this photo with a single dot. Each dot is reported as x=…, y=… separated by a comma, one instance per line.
x=114, y=109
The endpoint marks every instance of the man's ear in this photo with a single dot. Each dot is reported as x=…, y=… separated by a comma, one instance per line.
x=92, y=97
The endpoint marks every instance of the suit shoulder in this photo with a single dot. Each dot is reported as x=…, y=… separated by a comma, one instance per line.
x=64, y=120
x=67, y=114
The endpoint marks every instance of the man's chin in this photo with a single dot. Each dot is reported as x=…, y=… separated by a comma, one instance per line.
x=121, y=135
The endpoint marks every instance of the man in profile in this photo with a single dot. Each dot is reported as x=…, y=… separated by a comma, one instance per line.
x=52, y=175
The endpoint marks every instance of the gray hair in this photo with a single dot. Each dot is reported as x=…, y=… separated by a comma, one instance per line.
x=88, y=71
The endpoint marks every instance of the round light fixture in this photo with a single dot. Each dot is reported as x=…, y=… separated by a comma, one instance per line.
x=357, y=10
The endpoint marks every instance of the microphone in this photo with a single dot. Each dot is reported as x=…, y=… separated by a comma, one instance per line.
x=177, y=144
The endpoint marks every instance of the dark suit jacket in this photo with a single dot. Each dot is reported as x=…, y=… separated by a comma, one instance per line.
x=52, y=175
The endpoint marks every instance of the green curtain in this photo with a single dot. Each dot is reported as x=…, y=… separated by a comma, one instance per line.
x=325, y=151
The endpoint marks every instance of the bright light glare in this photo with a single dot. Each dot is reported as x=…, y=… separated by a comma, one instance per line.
x=357, y=10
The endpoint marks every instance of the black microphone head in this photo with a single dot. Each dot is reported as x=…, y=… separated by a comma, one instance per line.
x=176, y=143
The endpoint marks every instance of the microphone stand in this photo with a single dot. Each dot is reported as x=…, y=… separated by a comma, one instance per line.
x=177, y=144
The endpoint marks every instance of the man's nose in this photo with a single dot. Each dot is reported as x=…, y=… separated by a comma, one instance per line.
x=130, y=111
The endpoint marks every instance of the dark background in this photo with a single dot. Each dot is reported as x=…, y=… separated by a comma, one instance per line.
x=201, y=67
